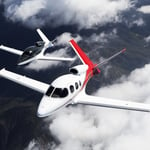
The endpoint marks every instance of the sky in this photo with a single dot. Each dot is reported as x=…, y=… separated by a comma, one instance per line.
x=101, y=28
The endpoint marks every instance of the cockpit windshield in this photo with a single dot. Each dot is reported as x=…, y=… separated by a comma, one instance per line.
x=57, y=92
x=50, y=90
x=31, y=51
x=60, y=93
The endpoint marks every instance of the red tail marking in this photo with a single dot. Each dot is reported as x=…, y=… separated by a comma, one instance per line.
x=81, y=54
x=92, y=70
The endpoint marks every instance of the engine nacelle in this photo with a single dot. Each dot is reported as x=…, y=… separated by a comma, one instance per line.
x=39, y=43
x=77, y=70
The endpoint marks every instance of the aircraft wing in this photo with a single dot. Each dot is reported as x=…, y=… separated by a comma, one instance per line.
x=54, y=58
x=110, y=58
x=44, y=38
x=11, y=50
x=111, y=103
x=25, y=81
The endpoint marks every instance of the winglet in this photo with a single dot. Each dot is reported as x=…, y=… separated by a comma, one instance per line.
x=123, y=50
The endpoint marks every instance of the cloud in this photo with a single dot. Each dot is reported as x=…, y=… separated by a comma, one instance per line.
x=25, y=11
x=66, y=37
x=144, y=9
x=85, y=14
x=103, y=36
x=134, y=87
x=89, y=127
x=147, y=39
x=35, y=145
x=139, y=22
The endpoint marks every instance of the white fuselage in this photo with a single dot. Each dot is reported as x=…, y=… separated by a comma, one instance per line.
x=60, y=93
x=36, y=57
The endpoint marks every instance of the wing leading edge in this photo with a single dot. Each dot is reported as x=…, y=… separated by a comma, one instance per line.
x=111, y=103
x=51, y=58
x=11, y=50
x=25, y=81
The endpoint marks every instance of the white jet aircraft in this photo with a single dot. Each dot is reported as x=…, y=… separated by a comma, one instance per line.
x=35, y=52
x=70, y=88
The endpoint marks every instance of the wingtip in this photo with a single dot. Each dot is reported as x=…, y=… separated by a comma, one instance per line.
x=37, y=29
x=123, y=50
x=73, y=59
x=2, y=70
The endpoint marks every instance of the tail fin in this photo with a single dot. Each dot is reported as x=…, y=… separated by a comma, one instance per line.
x=44, y=38
x=83, y=57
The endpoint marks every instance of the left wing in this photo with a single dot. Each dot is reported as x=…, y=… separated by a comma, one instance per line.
x=51, y=58
x=11, y=50
x=25, y=81
x=111, y=103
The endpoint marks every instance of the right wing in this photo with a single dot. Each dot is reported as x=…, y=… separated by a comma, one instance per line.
x=11, y=50
x=44, y=38
x=110, y=58
x=25, y=81
x=110, y=103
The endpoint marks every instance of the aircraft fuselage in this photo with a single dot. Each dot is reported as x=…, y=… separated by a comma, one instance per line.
x=30, y=53
x=60, y=93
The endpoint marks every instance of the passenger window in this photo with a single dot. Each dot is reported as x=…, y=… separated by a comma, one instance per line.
x=80, y=83
x=71, y=88
x=76, y=85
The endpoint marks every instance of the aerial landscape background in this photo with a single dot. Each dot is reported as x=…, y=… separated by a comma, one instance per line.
x=101, y=28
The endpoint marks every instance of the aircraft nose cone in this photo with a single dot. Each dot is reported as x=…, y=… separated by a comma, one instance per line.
x=48, y=106
x=41, y=112
x=44, y=107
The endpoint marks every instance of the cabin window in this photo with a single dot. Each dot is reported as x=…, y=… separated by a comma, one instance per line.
x=71, y=88
x=76, y=85
x=80, y=83
x=60, y=93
